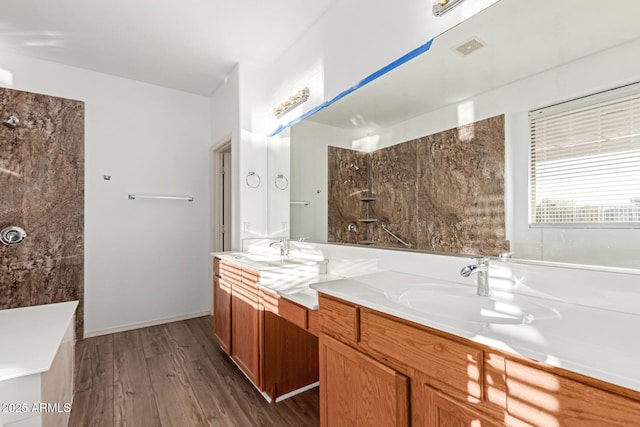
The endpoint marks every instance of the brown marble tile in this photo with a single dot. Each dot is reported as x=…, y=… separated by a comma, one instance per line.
x=393, y=182
x=56, y=281
x=42, y=191
x=461, y=189
x=15, y=288
x=441, y=193
x=348, y=183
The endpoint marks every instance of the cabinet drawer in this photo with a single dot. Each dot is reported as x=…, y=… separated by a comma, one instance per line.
x=293, y=313
x=250, y=277
x=339, y=319
x=247, y=294
x=449, y=364
x=248, y=289
x=540, y=397
x=216, y=266
x=313, y=322
x=230, y=266
x=299, y=315
x=269, y=299
x=230, y=272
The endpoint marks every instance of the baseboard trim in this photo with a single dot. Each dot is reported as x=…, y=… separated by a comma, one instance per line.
x=298, y=391
x=145, y=324
x=279, y=398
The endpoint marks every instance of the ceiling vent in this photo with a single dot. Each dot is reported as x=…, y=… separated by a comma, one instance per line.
x=469, y=46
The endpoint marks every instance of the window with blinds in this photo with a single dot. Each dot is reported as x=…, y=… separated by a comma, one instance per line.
x=585, y=161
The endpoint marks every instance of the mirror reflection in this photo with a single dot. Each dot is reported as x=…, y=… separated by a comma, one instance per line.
x=436, y=155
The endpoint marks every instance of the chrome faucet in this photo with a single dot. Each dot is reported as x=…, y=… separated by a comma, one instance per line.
x=482, y=268
x=283, y=244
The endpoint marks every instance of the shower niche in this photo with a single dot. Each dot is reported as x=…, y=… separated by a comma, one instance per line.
x=442, y=192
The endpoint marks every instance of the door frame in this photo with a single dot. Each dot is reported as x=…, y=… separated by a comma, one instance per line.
x=216, y=154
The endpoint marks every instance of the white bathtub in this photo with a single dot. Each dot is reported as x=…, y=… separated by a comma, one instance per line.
x=36, y=365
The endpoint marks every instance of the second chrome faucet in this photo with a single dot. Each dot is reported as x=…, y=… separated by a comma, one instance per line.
x=482, y=269
x=283, y=244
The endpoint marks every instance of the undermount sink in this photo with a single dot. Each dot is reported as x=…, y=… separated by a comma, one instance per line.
x=268, y=260
x=461, y=303
x=258, y=257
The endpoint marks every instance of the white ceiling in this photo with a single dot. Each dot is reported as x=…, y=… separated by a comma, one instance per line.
x=522, y=38
x=189, y=45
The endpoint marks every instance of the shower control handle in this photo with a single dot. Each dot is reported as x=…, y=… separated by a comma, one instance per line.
x=12, y=235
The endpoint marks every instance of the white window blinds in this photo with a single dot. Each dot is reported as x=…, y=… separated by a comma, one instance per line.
x=585, y=161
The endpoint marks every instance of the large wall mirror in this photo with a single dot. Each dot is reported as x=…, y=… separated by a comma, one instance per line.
x=470, y=97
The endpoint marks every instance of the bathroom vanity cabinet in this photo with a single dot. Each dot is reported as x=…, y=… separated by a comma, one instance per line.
x=377, y=369
x=221, y=309
x=358, y=390
x=273, y=340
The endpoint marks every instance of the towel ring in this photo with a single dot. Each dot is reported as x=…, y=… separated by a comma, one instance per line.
x=253, y=180
x=281, y=182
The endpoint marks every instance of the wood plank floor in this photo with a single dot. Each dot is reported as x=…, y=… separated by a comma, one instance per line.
x=173, y=375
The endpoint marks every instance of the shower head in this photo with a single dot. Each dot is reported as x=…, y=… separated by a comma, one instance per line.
x=11, y=122
x=354, y=167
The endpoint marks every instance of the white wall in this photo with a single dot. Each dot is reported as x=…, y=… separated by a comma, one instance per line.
x=145, y=260
x=279, y=161
x=255, y=122
x=225, y=124
x=239, y=109
x=309, y=176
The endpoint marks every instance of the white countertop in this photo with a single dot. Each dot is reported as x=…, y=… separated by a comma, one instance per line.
x=290, y=278
x=599, y=343
x=31, y=337
x=296, y=289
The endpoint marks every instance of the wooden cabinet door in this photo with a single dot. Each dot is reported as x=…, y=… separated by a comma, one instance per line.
x=245, y=331
x=222, y=313
x=443, y=411
x=289, y=358
x=356, y=390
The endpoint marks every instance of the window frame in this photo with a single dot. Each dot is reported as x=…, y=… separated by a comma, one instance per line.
x=575, y=104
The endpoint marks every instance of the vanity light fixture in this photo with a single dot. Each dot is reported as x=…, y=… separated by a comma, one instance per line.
x=440, y=7
x=293, y=101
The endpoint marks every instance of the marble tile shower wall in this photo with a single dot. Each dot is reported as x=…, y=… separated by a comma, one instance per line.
x=348, y=185
x=442, y=192
x=42, y=191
